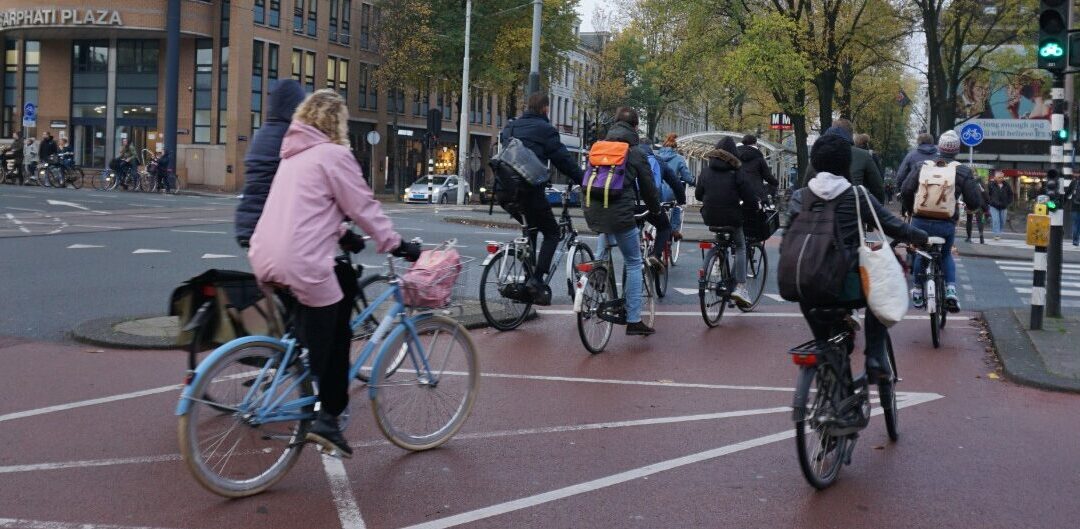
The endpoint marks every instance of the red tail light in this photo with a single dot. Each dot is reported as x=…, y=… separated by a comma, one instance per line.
x=584, y=267
x=805, y=360
x=209, y=291
x=701, y=273
x=705, y=245
x=492, y=248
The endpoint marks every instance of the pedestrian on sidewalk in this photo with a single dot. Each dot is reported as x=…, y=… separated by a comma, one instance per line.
x=30, y=159
x=978, y=213
x=1000, y=197
x=1075, y=207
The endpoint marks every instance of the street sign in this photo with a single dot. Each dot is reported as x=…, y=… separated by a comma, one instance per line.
x=373, y=137
x=404, y=132
x=1038, y=229
x=29, y=118
x=780, y=121
x=971, y=134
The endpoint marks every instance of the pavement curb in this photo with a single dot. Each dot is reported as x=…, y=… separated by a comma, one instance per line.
x=100, y=332
x=987, y=251
x=1019, y=359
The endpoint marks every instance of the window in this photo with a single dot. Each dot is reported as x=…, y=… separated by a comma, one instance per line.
x=204, y=71
x=312, y=17
x=337, y=75
x=346, y=17
x=275, y=13
x=309, y=71
x=257, y=67
x=223, y=74
x=418, y=102
x=136, y=79
x=259, y=12
x=365, y=26
x=397, y=101
x=31, y=70
x=137, y=56
x=272, y=59
x=490, y=104
x=11, y=70
x=447, y=105
x=499, y=116
x=297, y=64
x=373, y=91
x=362, y=89
x=298, y=16
x=374, y=24
x=333, y=20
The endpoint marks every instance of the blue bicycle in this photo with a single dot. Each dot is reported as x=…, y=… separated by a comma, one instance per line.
x=245, y=410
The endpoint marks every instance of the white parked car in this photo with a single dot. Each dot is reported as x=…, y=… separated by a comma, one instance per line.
x=444, y=189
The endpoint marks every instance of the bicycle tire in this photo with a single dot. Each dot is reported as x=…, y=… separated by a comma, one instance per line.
x=387, y=383
x=98, y=181
x=362, y=330
x=287, y=436
x=887, y=396
x=503, y=313
x=648, y=305
x=579, y=253
x=595, y=332
x=757, y=268
x=142, y=181
x=661, y=277
x=812, y=442
x=676, y=246
x=77, y=177
x=708, y=297
x=935, y=330
x=942, y=310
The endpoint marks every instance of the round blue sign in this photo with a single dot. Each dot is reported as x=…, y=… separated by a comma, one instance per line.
x=971, y=134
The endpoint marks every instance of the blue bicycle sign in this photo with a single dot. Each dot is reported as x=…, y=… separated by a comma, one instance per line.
x=971, y=134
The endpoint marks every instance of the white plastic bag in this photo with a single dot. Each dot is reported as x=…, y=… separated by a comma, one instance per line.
x=883, y=281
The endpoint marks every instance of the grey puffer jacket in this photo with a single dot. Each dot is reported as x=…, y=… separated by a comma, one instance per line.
x=618, y=217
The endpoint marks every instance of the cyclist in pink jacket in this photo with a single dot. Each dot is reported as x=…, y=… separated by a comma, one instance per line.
x=317, y=186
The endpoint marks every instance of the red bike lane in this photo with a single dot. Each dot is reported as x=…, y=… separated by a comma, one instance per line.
x=687, y=428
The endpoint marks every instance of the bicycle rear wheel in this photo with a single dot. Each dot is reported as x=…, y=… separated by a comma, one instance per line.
x=425, y=403
x=757, y=273
x=649, y=280
x=821, y=455
x=887, y=396
x=594, y=331
x=75, y=176
x=501, y=312
x=579, y=253
x=712, y=290
x=227, y=450
x=941, y=309
x=661, y=277
x=934, y=309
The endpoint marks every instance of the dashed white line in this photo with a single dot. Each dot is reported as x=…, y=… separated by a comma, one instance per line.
x=341, y=490
x=217, y=256
x=82, y=246
x=19, y=523
x=150, y=250
x=88, y=402
x=18, y=223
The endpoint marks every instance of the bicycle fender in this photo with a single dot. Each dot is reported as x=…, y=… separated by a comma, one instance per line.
x=184, y=406
x=491, y=256
x=373, y=385
x=802, y=391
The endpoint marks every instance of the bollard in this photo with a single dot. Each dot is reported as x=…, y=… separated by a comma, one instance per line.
x=1038, y=235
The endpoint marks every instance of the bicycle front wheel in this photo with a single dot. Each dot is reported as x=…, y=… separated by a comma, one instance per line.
x=425, y=402
x=595, y=332
x=712, y=292
x=229, y=450
x=662, y=275
x=821, y=455
x=504, y=271
x=757, y=272
x=75, y=176
x=649, y=280
x=887, y=396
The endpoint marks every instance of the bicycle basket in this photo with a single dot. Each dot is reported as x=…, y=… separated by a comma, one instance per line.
x=436, y=280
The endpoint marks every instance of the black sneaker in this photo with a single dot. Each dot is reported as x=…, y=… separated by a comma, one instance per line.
x=325, y=432
x=540, y=293
x=638, y=328
x=878, y=369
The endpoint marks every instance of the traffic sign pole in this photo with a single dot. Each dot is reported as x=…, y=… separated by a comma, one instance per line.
x=1057, y=159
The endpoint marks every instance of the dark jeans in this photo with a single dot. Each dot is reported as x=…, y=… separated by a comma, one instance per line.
x=663, y=233
x=876, y=332
x=945, y=229
x=326, y=333
x=537, y=212
x=1076, y=226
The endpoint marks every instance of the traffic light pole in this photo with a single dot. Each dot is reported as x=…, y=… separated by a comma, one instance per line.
x=1057, y=161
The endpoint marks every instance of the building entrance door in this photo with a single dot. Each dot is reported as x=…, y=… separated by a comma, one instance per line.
x=88, y=142
x=142, y=136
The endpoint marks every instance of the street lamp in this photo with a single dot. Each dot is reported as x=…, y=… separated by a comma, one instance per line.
x=463, y=126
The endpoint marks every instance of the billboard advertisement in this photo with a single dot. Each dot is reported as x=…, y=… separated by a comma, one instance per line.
x=1008, y=107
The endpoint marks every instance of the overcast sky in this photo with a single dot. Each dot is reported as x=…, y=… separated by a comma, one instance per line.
x=585, y=9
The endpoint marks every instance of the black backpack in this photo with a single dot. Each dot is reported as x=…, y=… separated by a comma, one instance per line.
x=814, y=262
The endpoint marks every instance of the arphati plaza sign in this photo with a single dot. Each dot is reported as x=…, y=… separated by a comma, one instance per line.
x=55, y=16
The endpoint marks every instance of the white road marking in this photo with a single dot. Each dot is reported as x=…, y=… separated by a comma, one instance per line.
x=1028, y=264
x=81, y=246
x=20, y=523
x=1064, y=292
x=558, y=312
x=629, y=475
x=207, y=232
x=686, y=291
x=150, y=250
x=68, y=204
x=88, y=402
x=26, y=209
x=98, y=227
x=348, y=510
x=1027, y=281
x=18, y=223
x=14, y=469
x=216, y=256
x=155, y=217
x=776, y=297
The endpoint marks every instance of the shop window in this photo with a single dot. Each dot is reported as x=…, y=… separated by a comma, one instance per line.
x=346, y=18
x=204, y=72
x=257, y=70
x=275, y=13
x=258, y=13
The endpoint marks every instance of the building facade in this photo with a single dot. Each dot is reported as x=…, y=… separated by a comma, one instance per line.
x=95, y=74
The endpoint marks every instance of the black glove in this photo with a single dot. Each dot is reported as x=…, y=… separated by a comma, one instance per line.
x=244, y=242
x=351, y=242
x=409, y=250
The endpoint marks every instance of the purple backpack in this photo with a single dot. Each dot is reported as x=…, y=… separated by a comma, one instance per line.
x=606, y=170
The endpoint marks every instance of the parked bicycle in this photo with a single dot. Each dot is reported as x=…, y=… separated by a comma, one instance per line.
x=504, y=299
x=717, y=280
x=127, y=178
x=60, y=171
x=250, y=433
x=831, y=407
x=596, y=300
x=934, y=286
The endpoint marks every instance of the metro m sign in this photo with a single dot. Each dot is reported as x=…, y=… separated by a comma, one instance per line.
x=779, y=121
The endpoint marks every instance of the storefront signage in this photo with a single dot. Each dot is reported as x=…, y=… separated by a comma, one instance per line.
x=57, y=124
x=54, y=16
x=1012, y=129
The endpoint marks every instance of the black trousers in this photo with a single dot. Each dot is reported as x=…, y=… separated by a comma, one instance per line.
x=537, y=212
x=326, y=333
x=979, y=219
x=663, y=233
x=876, y=332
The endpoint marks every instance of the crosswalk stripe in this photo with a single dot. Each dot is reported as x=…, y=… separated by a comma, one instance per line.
x=1064, y=292
x=1028, y=264
x=1027, y=281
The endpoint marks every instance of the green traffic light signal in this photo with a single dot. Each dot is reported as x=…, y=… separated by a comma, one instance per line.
x=1063, y=134
x=1051, y=205
x=1051, y=49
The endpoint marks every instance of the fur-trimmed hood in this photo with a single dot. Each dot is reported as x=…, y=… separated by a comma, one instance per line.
x=725, y=156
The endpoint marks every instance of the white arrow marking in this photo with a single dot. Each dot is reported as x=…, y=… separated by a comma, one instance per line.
x=687, y=291
x=150, y=250
x=216, y=256
x=776, y=297
x=68, y=204
x=81, y=246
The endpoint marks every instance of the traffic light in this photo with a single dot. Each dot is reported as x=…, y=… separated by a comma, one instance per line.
x=1053, y=34
x=1063, y=134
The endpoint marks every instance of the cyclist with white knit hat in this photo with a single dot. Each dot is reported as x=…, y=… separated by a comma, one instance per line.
x=965, y=184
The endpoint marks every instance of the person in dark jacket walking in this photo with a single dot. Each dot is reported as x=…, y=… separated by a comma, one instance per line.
x=47, y=148
x=1074, y=201
x=614, y=221
x=967, y=187
x=833, y=156
x=755, y=166
x=977, y=214
x=863, y=170
x=725, y=192
x=1001, y=196
x=535, y=132
x=264, y=155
